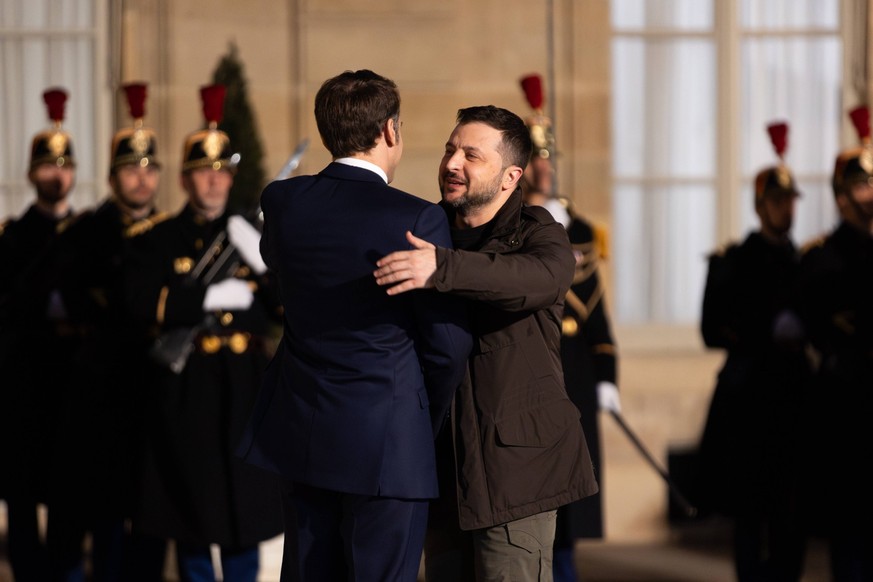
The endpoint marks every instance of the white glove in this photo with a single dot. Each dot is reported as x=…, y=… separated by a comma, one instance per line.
x=607, y=397
x=247, y=240
x=228, y=294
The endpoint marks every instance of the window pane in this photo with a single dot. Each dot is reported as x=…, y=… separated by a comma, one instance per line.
x=663, y=235
x=30, y=15
x=776, y=14
x=796, y=80
x=664, y=108
x=681, y=14
x=32, y=63
x=816, y=209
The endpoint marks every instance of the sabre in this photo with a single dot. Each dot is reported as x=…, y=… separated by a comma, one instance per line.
x=286, y=171
x=683, y=502
x=293, y=161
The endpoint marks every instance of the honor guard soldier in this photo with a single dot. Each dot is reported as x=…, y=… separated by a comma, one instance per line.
x=199, y=280
x=100, y=427
x=588, y=350
x=836, y=290
x=749, y=457
x=35, y=340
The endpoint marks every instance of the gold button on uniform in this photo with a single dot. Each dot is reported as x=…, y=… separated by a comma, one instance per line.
x=210, y=344
x=569, y=326
x=238, y=342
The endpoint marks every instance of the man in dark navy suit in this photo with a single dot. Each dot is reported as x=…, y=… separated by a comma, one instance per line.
x=361, y=381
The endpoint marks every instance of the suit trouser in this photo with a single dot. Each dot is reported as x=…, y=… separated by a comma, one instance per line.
x=341, y=536
x=519, y=550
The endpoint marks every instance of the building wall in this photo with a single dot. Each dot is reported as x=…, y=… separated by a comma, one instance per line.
x=443, y=56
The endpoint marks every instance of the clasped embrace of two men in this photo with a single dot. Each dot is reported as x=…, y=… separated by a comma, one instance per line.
x=416, y=401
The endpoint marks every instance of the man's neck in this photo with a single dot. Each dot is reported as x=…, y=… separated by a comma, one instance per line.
x=207, y=215
x=855, y=219
x=54, y=209
x=131, y=212
x=482, y=214
x=773, y=236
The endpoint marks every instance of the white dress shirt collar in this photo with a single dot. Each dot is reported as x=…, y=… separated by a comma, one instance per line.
x=359, y=163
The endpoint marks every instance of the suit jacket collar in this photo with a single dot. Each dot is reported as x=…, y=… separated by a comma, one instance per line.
x=346, y=172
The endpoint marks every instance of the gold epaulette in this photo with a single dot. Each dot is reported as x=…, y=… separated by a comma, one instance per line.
x=601, y=239
x=66, y=223
x=813, y=243
x=720, y=251
x=3, y=225
x=146, y=224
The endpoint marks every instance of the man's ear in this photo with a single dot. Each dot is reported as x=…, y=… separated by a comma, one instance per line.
x=511, y=176
x=389, y=130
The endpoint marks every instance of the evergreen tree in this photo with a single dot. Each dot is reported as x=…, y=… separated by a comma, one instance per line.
x=240, y=125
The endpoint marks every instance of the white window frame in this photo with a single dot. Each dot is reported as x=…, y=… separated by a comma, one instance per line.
x=728, y=181
x=92, y=155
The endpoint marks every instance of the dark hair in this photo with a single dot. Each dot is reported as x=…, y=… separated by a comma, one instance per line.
x=516, y=146
x=351, y=108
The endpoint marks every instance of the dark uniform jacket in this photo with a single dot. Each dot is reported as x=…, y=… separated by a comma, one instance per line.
x=749, y=448
x=192, y=485
x=100, y=421
x=518, y=443
x=36, y=343
x=588, y=355
x=836, y=289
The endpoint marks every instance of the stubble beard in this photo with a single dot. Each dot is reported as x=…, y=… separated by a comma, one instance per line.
x=863, y=209
x=51, y=191
x=475, y=198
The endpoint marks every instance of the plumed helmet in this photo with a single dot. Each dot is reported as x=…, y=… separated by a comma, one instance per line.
x=776, y=180
x=136, y=144
x=209, y=147
x=54, y=145
x=855, y=164
x=540, y=126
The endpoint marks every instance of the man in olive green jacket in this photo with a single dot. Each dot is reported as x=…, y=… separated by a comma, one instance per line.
x=516, y=451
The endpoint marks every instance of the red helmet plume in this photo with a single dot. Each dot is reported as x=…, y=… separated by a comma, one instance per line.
x=532, y=85
x=213, y=103
x=779, y=137
x=136, y=96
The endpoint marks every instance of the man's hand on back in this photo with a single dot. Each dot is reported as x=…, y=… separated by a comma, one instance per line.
x=407, y=270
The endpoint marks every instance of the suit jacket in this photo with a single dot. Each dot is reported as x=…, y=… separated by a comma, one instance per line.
x=349, y=399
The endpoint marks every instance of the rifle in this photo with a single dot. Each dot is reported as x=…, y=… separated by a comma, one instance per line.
x=171, y=349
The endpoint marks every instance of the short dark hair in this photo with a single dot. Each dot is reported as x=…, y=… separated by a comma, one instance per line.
x=351, y=108
x=516, y=147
